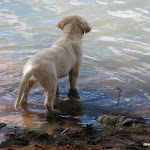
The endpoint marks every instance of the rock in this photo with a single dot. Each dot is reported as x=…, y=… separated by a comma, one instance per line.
x=44, y=138
x=2, y=125
x=119, y=121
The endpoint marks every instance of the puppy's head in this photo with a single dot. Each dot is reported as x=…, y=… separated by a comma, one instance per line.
x=74, y=21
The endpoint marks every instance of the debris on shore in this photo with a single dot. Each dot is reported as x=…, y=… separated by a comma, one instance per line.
x=120, y=121
x=115, y=132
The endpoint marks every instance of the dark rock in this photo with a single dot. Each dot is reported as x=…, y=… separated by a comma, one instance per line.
x=44, y=138
x=25, y=137
x=30, y=135
x=2, y=125
x=14, y=141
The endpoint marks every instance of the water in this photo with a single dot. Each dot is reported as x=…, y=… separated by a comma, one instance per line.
x=116, y=54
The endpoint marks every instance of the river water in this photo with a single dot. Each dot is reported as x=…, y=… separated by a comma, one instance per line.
x=116, y=56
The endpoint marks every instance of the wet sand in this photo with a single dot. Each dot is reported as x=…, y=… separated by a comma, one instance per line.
x=113, y=133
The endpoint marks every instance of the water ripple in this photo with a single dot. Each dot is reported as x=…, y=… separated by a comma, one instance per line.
x=116, y=54
x=129, y=14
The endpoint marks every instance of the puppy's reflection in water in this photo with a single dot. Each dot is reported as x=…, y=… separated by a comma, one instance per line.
x=64, y=116
x=71, y=107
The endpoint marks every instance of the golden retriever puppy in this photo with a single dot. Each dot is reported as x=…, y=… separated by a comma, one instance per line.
x=62, y=59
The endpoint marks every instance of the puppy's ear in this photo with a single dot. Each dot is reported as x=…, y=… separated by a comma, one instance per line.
x=85, y=27
x=61, y=24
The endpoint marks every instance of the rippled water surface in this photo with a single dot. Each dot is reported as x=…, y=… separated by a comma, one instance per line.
x=116, y=55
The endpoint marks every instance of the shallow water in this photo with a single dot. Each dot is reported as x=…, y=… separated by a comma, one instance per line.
x=116, y=54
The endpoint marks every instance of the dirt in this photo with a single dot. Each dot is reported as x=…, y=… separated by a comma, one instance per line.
x=78, y=146
x=116, y=133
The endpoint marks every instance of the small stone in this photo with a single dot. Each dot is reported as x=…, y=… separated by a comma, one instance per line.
x=2, y=125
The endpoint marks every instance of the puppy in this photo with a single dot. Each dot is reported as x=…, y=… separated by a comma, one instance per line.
x=62, y=59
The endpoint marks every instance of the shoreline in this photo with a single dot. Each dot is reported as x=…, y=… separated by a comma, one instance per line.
x=114, y=132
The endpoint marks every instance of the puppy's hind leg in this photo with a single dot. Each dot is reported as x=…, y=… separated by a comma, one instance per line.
x=50, y=96
x=49, y=101
x=50, y=86
x=27, y=89
x=23, y=85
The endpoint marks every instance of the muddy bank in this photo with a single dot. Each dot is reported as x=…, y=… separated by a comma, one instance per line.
x=114, y=133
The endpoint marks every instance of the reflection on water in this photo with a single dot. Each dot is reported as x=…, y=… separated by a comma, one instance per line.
x=116, y=54
x=34, y=115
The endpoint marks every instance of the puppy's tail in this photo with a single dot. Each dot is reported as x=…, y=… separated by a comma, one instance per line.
x=22, y=87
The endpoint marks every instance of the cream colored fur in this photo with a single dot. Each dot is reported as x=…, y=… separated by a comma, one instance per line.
x=62, y=59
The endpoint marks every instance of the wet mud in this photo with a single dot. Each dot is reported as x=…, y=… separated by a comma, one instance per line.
x=113, y=133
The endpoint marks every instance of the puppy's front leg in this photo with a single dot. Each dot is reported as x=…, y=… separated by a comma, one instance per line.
x=73, y=77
